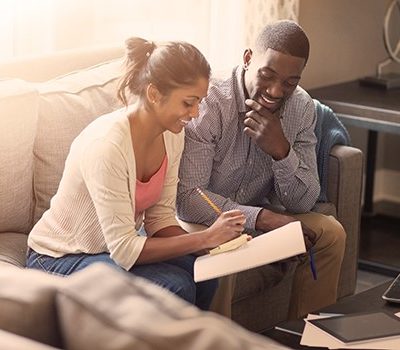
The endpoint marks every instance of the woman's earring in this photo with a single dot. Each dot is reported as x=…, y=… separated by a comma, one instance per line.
x=245, y=66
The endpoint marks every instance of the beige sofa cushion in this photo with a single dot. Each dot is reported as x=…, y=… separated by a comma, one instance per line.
x=12, y=341
x=129, y=312
x=27, y=304
x=13, y=248
x=66, y=106
x=18, y=120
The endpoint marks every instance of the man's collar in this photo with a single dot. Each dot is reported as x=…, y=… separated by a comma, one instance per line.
x=239, y=90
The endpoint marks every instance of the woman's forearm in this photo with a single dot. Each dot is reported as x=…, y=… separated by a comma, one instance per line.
x=170, y=243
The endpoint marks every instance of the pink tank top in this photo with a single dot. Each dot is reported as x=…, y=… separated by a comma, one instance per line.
x=148, y=193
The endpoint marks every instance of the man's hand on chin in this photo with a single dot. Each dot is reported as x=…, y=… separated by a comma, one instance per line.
x=265, y=129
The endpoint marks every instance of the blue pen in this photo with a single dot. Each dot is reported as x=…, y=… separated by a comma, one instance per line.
x=312, y=264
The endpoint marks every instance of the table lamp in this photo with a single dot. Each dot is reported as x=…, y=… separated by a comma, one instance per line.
x=387, y=80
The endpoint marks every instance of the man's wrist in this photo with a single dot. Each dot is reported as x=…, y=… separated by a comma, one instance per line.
x=268, y=220
x=284, y=152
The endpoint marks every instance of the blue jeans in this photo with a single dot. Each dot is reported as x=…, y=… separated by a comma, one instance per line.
x=176, y=275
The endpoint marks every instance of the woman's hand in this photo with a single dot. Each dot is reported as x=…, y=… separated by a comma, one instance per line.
x=229, y=225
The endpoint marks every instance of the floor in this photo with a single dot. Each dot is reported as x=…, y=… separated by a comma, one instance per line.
x=367, y=280
x=379, y=251
x=380, y=243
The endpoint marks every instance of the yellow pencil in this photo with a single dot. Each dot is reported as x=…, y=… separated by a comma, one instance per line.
x=227, y=246
x=209, y=201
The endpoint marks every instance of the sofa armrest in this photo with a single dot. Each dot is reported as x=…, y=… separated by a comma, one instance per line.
x=344, y=191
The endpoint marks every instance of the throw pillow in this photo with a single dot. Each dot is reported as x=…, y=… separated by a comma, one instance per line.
x=66, y=106
x=102, y=308
x=18, y=120
x=27, y=304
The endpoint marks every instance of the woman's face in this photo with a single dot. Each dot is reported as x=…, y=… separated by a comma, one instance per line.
x=175, y=110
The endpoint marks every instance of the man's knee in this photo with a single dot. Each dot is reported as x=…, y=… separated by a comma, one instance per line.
x=332, y=238
x=330, y=232
x=335, y=232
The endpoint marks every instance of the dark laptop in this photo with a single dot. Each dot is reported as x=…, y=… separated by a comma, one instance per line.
x=392, y=294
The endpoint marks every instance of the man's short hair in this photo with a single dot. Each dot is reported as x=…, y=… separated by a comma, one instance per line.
x=284, y=36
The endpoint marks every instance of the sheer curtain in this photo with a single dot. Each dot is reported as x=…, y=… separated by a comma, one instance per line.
x=219, y=28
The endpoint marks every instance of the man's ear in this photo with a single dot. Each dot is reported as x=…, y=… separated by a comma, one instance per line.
x=153, y=94
x=247, y=58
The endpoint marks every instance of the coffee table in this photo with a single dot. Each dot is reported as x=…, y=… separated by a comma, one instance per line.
x=369, y=300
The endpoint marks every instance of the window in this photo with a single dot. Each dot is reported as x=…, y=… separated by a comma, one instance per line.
x=219, y=28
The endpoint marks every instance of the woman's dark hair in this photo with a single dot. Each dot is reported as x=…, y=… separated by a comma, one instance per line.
x=284, y=36
x=167, y=66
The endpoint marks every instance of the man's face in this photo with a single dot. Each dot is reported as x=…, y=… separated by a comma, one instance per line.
x=272, y=77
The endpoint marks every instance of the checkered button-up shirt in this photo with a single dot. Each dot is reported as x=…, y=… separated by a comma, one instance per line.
x=233, y=171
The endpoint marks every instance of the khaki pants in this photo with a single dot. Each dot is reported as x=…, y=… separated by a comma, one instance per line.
x=307, y=294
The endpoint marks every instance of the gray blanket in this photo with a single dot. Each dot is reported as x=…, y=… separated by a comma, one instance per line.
x=330, y=132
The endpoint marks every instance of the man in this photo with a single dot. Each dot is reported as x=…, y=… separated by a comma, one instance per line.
x=254, y=145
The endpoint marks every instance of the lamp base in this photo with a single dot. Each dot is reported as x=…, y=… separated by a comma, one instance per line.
x=384, y=81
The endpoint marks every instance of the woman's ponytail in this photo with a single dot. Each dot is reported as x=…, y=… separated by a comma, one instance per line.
x=138, y=52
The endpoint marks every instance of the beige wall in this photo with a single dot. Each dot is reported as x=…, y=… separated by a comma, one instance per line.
x=347, y=43
x=346, y=39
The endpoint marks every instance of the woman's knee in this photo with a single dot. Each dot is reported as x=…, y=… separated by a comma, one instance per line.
x=185, y=287
x=205, y=293
x=209, y=287
x=200, y=294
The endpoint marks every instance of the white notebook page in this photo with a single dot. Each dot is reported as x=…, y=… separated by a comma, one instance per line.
x=279, y=244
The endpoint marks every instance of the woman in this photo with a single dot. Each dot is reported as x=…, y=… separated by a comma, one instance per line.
x=121, y=172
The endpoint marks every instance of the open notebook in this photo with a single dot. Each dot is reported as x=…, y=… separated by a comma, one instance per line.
x=279, y=244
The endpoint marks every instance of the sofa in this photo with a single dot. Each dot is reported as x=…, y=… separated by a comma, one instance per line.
x=40, y=115
x=40, y=311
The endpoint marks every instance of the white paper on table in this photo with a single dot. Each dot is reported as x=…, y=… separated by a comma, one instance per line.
x=279, y=244
x=313, y=336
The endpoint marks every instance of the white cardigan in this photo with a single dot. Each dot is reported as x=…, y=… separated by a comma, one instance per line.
x=93, y=210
